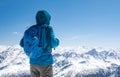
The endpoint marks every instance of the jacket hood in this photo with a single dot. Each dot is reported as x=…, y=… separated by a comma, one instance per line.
x=43, y=17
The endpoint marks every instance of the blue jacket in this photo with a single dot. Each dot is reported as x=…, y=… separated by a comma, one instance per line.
x=39, y=40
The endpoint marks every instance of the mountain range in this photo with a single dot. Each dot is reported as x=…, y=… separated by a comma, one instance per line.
x=69, y=62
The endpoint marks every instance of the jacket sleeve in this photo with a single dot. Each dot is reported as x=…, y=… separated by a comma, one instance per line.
x=27, y=42
x=54, y=40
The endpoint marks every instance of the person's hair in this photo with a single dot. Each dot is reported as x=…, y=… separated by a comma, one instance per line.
x=43, y=17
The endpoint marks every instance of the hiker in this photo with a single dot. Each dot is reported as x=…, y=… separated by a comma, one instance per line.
x=37, y=42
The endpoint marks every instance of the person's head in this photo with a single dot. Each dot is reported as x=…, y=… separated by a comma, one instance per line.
x=43, y=17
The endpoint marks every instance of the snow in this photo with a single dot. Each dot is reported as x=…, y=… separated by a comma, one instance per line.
x=69, y=62
x=2, y=47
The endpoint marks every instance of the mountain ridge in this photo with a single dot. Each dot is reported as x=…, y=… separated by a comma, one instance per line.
x=69, y=62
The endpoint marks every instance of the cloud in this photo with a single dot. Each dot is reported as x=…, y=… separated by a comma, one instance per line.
x=75, y=37
x=15, y=33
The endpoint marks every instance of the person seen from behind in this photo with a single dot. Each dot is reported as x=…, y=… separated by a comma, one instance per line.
x=37, y=42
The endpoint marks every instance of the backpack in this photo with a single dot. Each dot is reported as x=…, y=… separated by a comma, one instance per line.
x=31, y=42
x=34, y=42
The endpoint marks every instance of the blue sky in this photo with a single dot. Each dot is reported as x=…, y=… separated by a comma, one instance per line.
x=75, y=22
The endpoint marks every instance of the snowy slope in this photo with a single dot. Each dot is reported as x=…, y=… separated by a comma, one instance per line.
x=13, y=61
x=89, y=63
x=69, y=62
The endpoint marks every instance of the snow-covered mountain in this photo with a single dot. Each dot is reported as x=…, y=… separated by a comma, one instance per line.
x=69, y=62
